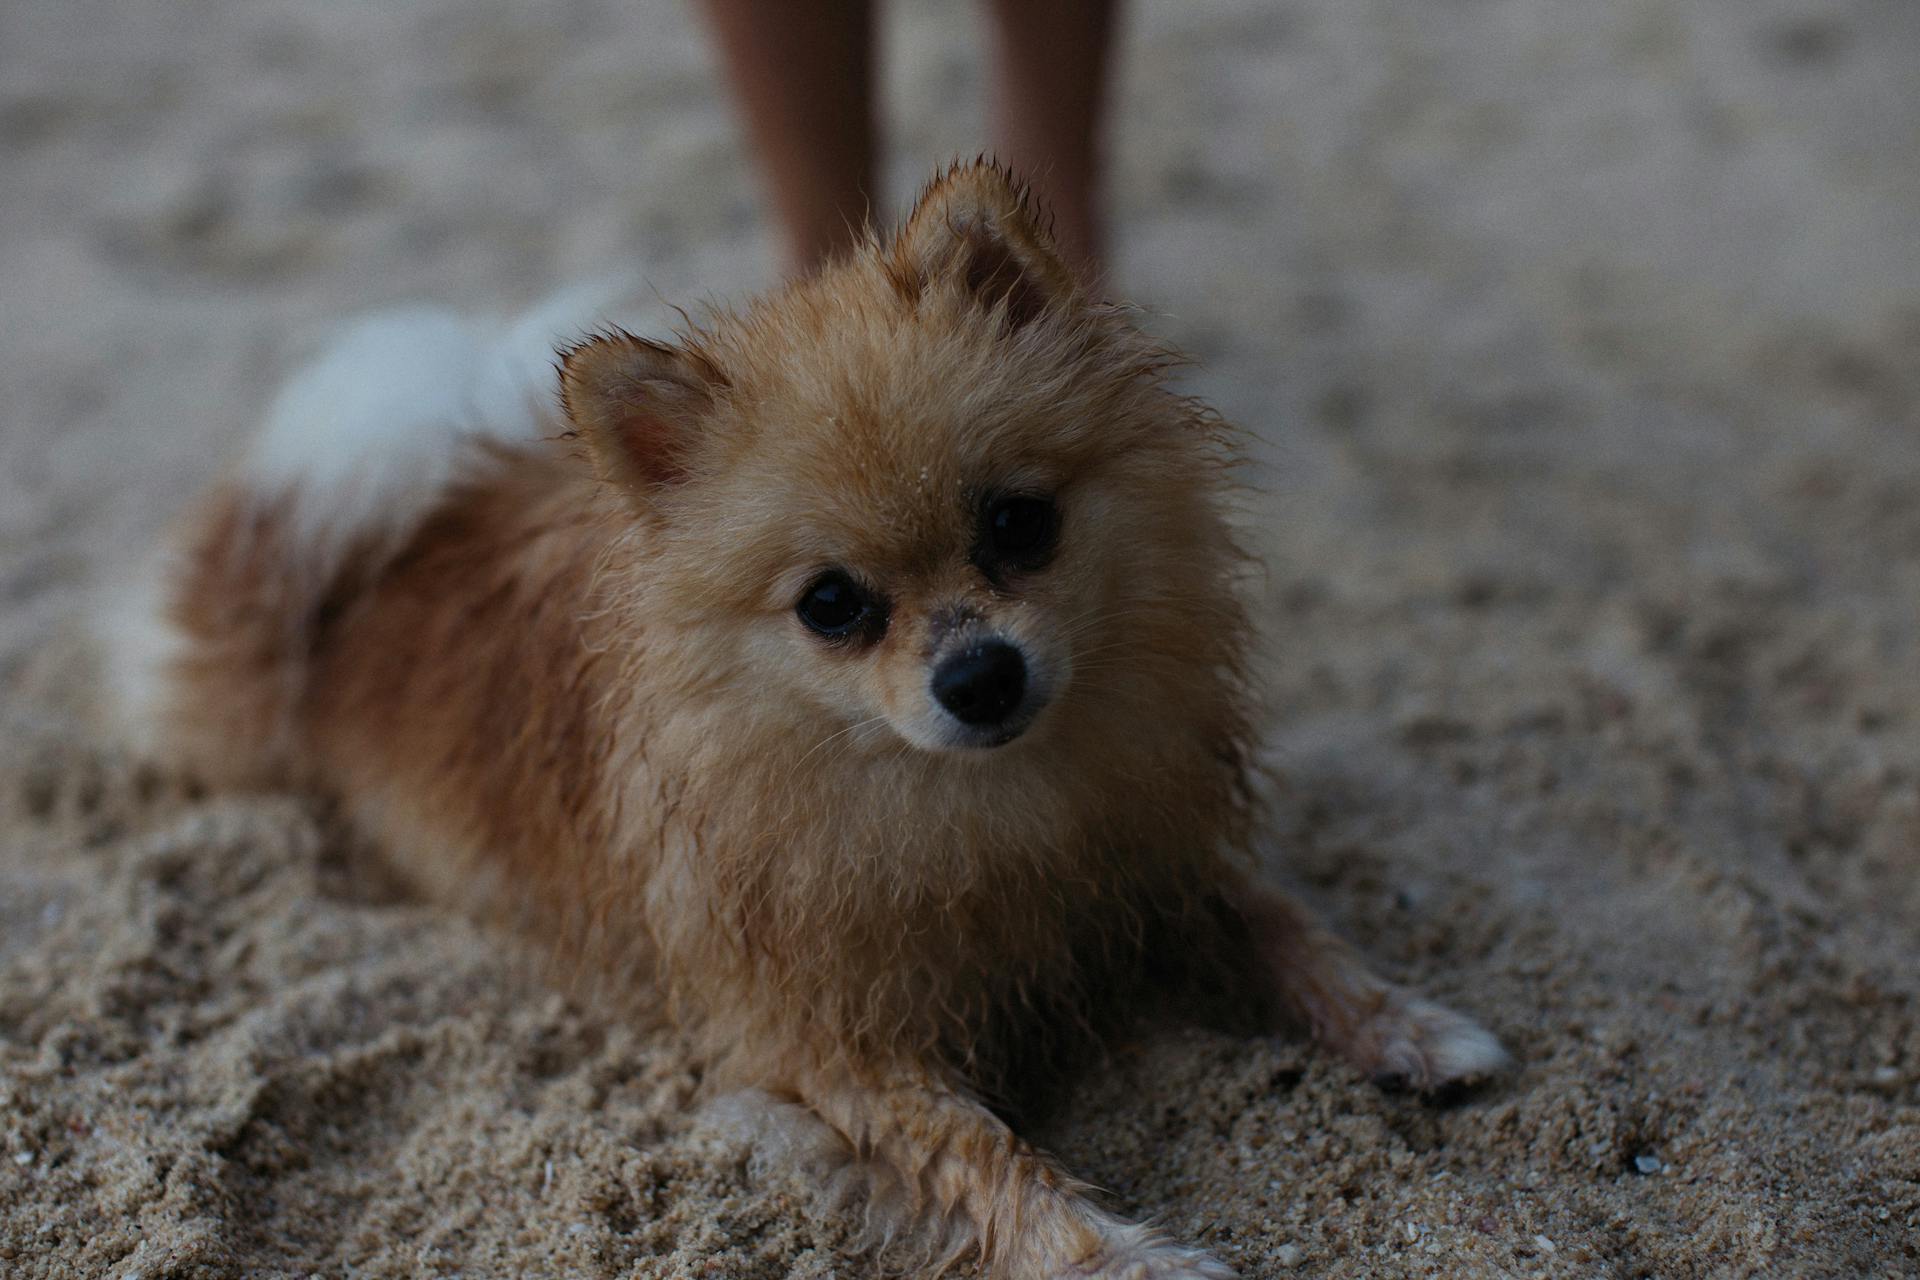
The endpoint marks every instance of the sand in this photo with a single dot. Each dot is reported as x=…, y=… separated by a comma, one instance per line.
x=1581, y=343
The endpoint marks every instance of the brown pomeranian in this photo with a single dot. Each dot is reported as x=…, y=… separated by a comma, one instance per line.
x=859, y=680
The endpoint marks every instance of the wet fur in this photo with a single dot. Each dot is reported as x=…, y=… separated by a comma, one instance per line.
x=563, y=684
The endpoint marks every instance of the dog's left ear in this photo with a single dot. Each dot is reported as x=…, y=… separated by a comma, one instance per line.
x=641, y=406
x=975, y=227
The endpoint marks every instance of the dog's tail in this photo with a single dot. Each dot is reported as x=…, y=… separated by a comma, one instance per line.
x=207, y=652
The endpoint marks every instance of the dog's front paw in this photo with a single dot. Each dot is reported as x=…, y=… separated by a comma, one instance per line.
x=1133, y=1252
x=1414, y=1042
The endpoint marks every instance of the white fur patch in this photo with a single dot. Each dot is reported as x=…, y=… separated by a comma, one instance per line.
x=369, y=434
x=366, y=436
x=787, y=1143
x=138, y=646
x=1429, y=1045
x=785, y=1140
x=1136, y=1252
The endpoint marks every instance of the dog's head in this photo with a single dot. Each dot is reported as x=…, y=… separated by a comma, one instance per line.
x=935, y=494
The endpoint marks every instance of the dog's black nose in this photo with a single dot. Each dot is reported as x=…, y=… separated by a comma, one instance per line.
x=982, y=685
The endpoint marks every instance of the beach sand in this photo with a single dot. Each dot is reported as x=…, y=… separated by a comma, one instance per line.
x=1581, y=348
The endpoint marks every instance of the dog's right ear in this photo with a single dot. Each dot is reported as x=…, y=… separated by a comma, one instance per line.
x=639, y=405
x=976, y=228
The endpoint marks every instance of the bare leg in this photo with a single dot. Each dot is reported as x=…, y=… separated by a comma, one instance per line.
x=944, y=1167
x=1049, y=93
x=1385, y=1030
x=804, y=76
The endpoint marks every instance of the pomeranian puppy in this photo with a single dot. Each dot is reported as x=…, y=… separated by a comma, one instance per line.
x=860, y=677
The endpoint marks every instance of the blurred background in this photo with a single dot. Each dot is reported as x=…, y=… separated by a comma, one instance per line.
x=1580, y=346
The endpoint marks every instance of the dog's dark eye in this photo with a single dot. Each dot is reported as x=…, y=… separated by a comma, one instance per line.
x=837, y=607
x=1020, y=531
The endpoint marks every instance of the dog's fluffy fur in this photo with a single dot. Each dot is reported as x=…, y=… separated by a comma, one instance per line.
x=549, y=655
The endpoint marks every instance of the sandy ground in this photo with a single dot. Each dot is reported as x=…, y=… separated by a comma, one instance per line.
x=1583, y=344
